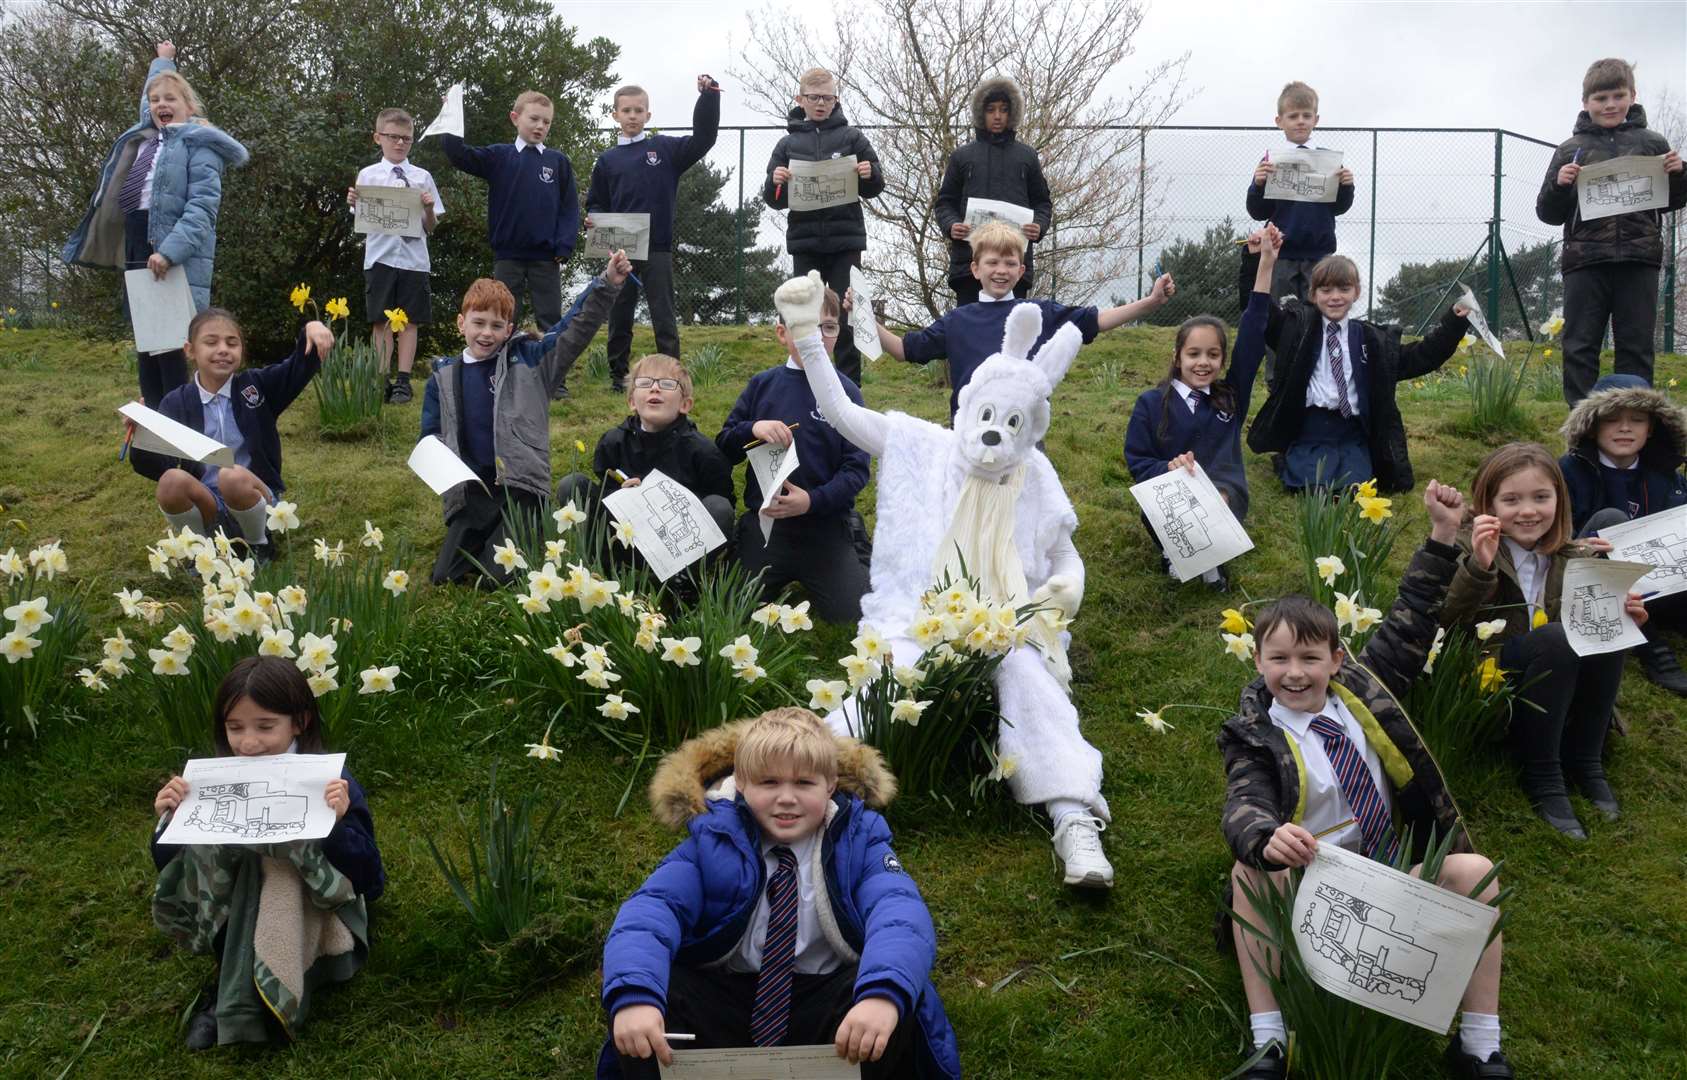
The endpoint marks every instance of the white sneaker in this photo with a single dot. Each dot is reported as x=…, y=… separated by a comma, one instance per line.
x=1077, y=840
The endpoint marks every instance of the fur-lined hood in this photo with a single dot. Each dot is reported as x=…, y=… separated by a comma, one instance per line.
x=1667, y=444
x=677, y=789
x=1016, y=103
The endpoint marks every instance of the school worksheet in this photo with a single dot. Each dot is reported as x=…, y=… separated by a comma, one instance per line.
x=671, y=529
x=817, y=185
x=1591, y=605
x=762, y=1063
x=1304, y=175
x=440, y=468
x=1479, y=321
x=1660, y=541
x=1622, y=185
x=619, y=232
x=1387, y=940
x=983, y=211
x=450, y=118
x=159, y=309
x=158, y=434
x=773, y=465
x=1197, y=531
x=255, y=800
x=391, y=211
x=861, y=318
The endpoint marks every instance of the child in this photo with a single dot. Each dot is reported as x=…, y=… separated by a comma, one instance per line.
x=238, y=408
x=971, y=334
x=1331, y=412
x=491, y=406
x=533, y=211
x=993, y=166
x=1292, y=755
x=1626, y=444
x=1513, y=569
x=156, y=203
x=640, y=174
x=831, y=240
x=739, y=938
x=658, y=436
x=811, y=541
x=1610, y=264
x=1309, y=228
x=208, y=896
x=395, y=268
x=1194, y=415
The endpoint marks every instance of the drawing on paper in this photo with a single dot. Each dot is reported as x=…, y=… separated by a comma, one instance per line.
x=1667, y=554
x=1362, y=939
x=612, y=238
x=669, y=507
x=818, y=189
x=1300, y=178
x=1595, y=612
x=1184, y=517
x=1619, y=189
x=250, y=810
x=385, y=216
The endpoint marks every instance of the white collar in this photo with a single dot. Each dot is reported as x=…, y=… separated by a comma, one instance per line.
x=802, y=849
x=1520, y=554
x=792, y=364
x=206, y=396
x=622, y=140
x=1301, y=722
x=522, y=144
x=400, y=165
x=1341, y=322
x=1307, y=145
x=986, y=298
x=1609, y=464
x=470, y=358
x=1185, y=391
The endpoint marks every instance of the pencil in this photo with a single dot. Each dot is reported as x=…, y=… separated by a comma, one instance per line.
x=1577, y=160
x=128, y=440
x=618, y=476
x=1334, y=828
x=753, y=443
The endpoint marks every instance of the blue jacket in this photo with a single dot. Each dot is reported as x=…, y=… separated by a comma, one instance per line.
x=187, y=190
x=260, y=396
x=972, y=333
x=829, y=467
x=643, y=177
x=697, y=905
x=350, y=847
x=1309, y=229
x=1162, y=427
x=532, y=207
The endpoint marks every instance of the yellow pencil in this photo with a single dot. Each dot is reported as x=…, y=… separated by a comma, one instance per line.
x=753, y=443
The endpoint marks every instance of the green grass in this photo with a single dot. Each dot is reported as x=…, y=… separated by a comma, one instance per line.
x=1125, y=984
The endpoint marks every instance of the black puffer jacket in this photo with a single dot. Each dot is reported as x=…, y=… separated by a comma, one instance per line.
x=836, y=228
x=680, y=451
x=1636, y=237
x=992, y=167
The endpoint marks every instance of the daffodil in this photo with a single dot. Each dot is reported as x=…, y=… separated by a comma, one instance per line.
x=281, y=517
x=324, y=682
x=221, y=627
x=396, y=582
x=1006, y=765
x=793, y=619
x=568, y=516
x=749, y=672
x=1553, y=326
x=624, y=533
x=562, y=654
x=598, y=677
x=740, y=651
x=682, y=652
x=378, y=680
x=1366, y=489
x=246, y=615
x=1330, y=567
x=766, y=615
x=980, y=639
x=1153, y=721
x=599, y=592
x=555, y=550
x=859, y=670
x=1486, y=630
x=316, y=653
x=579, y=447
x=1466, y=342
x=508, y=556
x=543, y=750
x=178, y=640
x=907, y=676
x=300, y=296
x=1434, y=650
x=1546, y=354
x=276, y=643
x=18, y=645
x=646, y=640
x=12, y=564
x=396, y=319
x=1489, y=676
x=627, y=604
x=1345, y=609
x=158, y=561
x=372, y=537
x=115, y=668
x=49, y=560
x=870, y=643
x=292, y=600
x=533, y=604
x=1539, y=620
x=826, y=694
x=93, y=680
x=29, y=615
x=545, y=582
x=1241, y=646
x=166, y=662
x=337, y=308
x=615, y=708
x=1366, y=618
x=151, y=611
x=654, y=621
x=1375, y=510
x=1234, y=622
x=907, y=711
x=116, y=647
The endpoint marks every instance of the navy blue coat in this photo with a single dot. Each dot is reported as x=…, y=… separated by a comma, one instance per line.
x=697, y=905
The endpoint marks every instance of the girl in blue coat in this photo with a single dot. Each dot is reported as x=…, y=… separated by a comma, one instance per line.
x=157, y=200
x=783, y=919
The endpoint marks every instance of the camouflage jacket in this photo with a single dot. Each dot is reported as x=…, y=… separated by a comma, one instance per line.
x=1478, y=595
x=1265, y=776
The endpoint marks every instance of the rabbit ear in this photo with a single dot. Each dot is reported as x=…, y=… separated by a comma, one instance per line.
x=1057, y=353
x=1025, y=323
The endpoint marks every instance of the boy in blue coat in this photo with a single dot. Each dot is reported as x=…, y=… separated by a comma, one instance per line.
x=1308, y=228
x=784, y=919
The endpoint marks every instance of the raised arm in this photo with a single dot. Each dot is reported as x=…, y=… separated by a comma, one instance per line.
x=166, y=61
x=1164, y=289
x=799, y=302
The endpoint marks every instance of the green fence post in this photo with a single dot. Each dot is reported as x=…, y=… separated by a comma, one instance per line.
x=1371, y=271
x=1141, y=201
x=1494, y=236
x=1669, y=285
x=738, y=231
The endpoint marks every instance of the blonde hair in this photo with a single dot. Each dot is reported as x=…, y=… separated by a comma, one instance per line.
x=184, y=88
x=530, y=97
x=660, y=365
x=395, y=116
x=1508, y=461
x=816, y=76
x=1296, y=95
x=788, y=735
x=997, y=238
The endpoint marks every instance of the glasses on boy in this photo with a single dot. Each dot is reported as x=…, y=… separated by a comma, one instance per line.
x=396, y=137
x=645, y=382
x=819, y=99
x=830, y=329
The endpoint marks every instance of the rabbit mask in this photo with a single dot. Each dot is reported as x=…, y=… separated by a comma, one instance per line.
x=1003, y=411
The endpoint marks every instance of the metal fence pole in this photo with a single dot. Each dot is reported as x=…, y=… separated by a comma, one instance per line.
x=1494, y=314
x=738, y=229
x=1371, y=270
x=1141, y=201
x=1669, y=285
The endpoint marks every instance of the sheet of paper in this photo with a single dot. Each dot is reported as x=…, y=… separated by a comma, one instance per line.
x=619, y=232
x=773, y=465
x=816, y=185
x=1591, y=606
x=670, y=527
x=1479, y=321
x=1622, y=185
x=1305, y=176
x=1386, y=940
x=394, y=211
x=1192, y=520
x=1659, y=540
x=450, y=118
x=158, y=434
x=255, y=800
x=762, y=1063
x=861, y=319
x=439, y=467
x=159, y=310
x=983, y=211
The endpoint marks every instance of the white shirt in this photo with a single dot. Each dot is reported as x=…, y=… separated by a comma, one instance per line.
x=403, y=252
x=814, y=954
x=1188, y=393
x=622, y=140
x=217, y=420
x=1609, y=464
x=1321, y=387
x=986, y=298
x=522, y=144
x=1326, y=805
x=151, y=170
x=1531, y=575
x=471, y=358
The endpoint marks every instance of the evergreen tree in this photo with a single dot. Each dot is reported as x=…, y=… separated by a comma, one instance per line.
x=710, y=241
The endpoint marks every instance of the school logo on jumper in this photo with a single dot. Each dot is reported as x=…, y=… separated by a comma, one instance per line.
x=1223, y=417
x=892, y=865
x=837, y=154
x=252, y=395
x=651, y=157
x=820, y=416
x=546, y=173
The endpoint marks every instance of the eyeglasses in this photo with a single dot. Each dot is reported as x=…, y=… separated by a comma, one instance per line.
x=645, y=382
x=395, y=137
x=830, y=329
x=819, y=99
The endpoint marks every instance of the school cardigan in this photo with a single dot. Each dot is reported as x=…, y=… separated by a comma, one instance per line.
x=532, y=207
x=1214, y=437
x=972, y=333
x=831, y=469
x=643, y=177
x=259, y=396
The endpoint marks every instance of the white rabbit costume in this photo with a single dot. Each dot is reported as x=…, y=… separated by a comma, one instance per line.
x=983, y=494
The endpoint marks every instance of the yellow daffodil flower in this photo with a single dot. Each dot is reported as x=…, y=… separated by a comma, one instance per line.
x=1233, y=622
x=300, y=296
x=1489, y=676
x=397, y=319
x=337, y=308
x=1375, y=510
x=1153, y=721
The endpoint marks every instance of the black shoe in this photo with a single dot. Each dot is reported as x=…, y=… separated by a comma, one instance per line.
x=1219, y=582
x=1658, y=661
x=202, y=1025
x=1555, y=810
x=560, y=393
x=1267, y=1063
x=1469, y=1067
x=399, y=392
x=1597, y=788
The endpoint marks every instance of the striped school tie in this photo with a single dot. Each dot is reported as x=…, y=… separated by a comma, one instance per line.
x=1332, y=345
x=134, y=182
x=1375, y=829
x=772, y=1012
